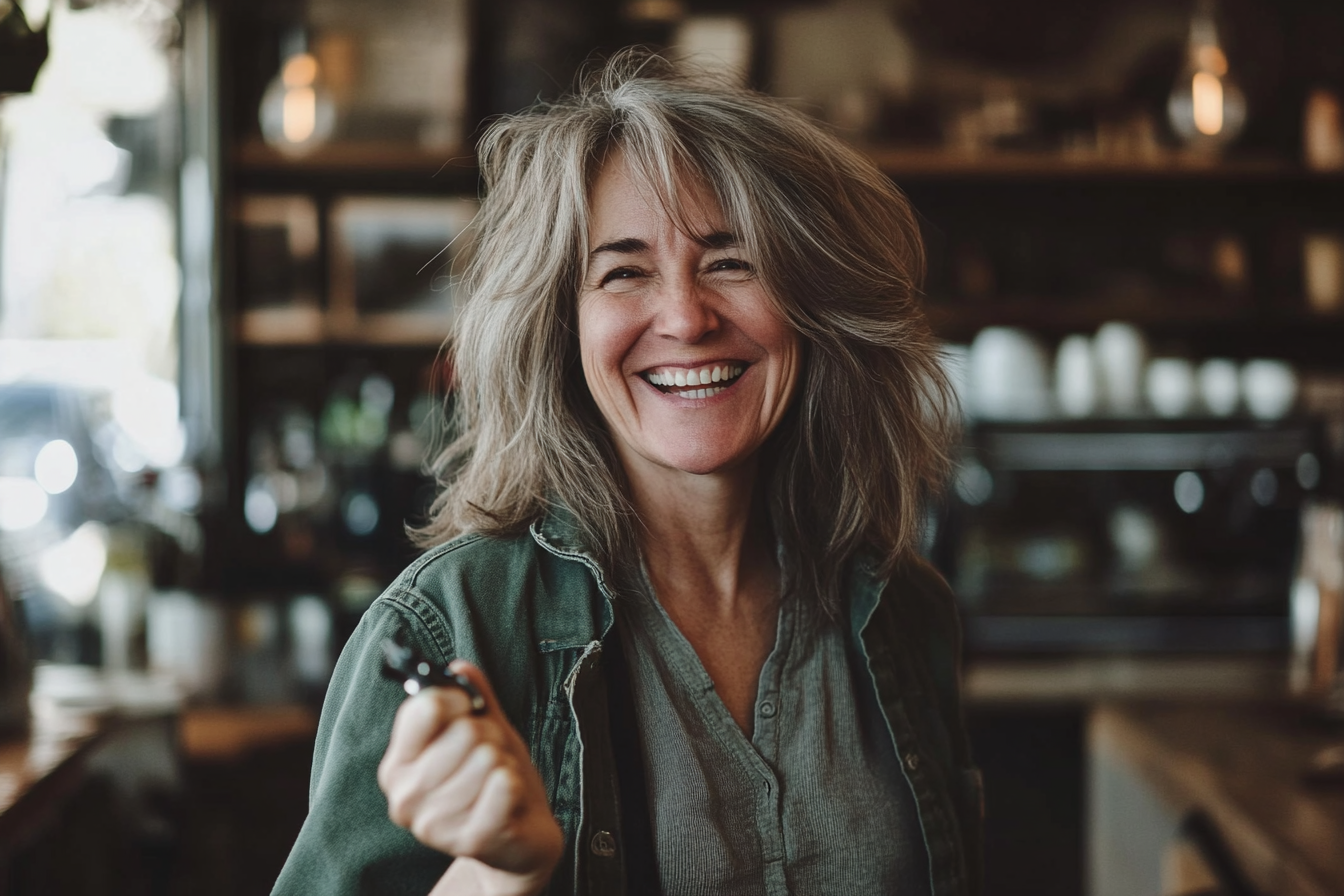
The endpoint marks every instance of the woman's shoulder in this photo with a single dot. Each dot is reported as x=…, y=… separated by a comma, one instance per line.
x=461, y=567
x=491, y=585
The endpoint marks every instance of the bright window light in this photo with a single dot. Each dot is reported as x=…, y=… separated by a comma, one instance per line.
x=23, y=503
x=73, y=568
x=56, y=466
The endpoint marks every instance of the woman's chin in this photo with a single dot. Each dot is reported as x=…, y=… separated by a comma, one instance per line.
x=701, y=461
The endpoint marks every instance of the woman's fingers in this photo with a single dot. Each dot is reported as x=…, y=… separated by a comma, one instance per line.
x=447, y=809
x=495, y=807
x=407, y=785
x=420, y=719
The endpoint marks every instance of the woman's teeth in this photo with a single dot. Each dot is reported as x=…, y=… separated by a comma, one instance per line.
x=675, y=382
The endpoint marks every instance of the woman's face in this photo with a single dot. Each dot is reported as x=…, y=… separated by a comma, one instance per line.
x=682, y=349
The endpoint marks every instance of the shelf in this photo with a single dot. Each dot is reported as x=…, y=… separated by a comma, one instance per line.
x=1176, y=313
x=306, y=325
x=257, y=156
x=933, y=163
x=358, y=167
x=291, y=326
x=936, y=163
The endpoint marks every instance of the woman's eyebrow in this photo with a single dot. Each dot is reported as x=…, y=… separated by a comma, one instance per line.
x=719, y=239
x=628, y=246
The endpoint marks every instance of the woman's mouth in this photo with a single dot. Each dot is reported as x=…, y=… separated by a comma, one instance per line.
x=697, y=382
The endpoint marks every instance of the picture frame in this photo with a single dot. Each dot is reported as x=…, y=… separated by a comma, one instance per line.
x=277, y=288
x=395, y=263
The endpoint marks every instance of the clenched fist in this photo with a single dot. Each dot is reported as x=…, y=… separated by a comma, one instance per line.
x=465, y=785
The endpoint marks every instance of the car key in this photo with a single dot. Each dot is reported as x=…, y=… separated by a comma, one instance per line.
x=415, y=673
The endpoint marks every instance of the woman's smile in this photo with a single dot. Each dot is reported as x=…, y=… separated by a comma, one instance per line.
x=704, y=381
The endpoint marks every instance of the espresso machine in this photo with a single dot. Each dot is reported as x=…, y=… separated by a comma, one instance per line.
x=1135, y=536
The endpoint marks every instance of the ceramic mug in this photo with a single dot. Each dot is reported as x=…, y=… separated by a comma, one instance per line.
x=1007, y=375
x=1220, y=386
x=1120, y=351
x=1075, y=377
x=1170, y=386
x=1269, y=387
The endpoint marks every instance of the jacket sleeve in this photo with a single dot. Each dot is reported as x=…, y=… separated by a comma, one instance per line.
x=348, y=845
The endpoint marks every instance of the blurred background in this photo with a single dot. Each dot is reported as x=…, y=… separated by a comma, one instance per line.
x=228, y=244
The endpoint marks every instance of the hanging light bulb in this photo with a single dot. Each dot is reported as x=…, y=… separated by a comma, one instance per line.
x=1207, y=109
x=298, y=113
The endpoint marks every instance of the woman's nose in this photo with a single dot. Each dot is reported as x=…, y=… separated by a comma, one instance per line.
x=686, y=311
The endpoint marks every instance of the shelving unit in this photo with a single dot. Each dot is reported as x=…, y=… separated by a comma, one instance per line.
x=1060, y=242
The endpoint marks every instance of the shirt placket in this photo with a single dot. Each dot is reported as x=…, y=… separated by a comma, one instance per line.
x=764, y=754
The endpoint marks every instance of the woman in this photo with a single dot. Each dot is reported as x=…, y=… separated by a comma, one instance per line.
x=698, y=411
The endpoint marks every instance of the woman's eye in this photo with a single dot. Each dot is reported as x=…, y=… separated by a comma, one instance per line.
x=620, y=274
x=732, y=265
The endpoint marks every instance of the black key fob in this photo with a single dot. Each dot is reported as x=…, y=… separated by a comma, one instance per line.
x=415, y=673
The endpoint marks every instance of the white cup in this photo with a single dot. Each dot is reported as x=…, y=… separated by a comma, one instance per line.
x=1269, y=387
x=1075, y=377
x=1120, y=351
x=1007, y=375
x=1220, y=386
x=1170, y=386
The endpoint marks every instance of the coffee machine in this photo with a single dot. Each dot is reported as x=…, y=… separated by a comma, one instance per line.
x=1134, y=536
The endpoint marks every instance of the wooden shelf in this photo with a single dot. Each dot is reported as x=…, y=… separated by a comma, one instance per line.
x=357, y=168
x=293, y=326
x=1175, y=313
x=255, y=155
x=935, y=163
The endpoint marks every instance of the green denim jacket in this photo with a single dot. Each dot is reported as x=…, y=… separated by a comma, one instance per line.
x=533, y=612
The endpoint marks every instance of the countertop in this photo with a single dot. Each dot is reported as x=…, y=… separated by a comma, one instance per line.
x=1243, y=765
x=39, y=768
x=1088, y=679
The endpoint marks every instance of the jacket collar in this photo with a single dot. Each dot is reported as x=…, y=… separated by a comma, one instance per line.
x=558, y=530
x=558, y=533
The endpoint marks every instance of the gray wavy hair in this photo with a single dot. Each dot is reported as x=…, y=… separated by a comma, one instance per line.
x=864, y=445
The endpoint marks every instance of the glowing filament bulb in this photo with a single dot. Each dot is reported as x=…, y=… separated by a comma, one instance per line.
x=300, y=115
x=1207, y=98
x=297, y=112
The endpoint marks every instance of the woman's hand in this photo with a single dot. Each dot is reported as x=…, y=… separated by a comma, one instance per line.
x=465, y=785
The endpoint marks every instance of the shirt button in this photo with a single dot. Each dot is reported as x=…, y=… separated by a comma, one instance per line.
x=603, y=844
x=912, y=761
x=767, y=709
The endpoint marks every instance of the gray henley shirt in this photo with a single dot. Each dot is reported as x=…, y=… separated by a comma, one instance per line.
x=813, y=803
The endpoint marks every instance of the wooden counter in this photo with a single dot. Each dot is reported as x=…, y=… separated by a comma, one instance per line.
x=1243, y=766
x=39, y=769
x=1089, y=679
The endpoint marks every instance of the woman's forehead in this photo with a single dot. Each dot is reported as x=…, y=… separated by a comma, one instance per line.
x=625, y=192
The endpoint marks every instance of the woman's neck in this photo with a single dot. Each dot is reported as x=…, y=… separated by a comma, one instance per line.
x=706, y=540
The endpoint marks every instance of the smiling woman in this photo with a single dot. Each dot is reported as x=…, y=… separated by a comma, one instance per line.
x=698, y=414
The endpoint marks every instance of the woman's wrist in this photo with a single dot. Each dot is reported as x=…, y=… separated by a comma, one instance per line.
x=472, y=877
